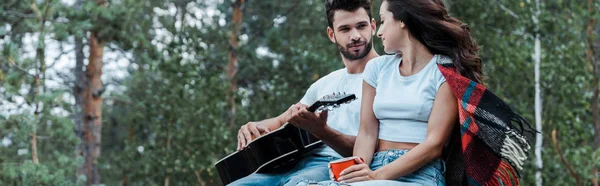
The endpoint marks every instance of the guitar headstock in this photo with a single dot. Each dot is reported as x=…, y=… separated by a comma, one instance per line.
x=331, y=101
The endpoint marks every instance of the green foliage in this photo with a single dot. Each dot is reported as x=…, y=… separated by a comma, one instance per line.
x=56, y=140
x=170, y=119
x=29, y=173
x=507, y=48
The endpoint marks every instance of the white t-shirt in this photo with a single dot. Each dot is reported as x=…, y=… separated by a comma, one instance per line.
x=403, y=104
x=346, y=118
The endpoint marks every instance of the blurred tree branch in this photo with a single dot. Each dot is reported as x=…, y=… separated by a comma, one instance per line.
x=563, y=159
x=12, y=63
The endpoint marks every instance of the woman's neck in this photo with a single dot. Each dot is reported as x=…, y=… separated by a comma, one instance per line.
x=414, y=59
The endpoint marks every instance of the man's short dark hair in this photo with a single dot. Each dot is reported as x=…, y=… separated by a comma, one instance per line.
x=348, y=5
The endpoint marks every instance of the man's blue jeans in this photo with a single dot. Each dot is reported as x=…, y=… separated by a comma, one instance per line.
x=312, y=167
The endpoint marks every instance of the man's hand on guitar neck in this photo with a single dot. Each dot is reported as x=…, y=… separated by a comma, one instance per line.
x=316, y=123
x=304, y=119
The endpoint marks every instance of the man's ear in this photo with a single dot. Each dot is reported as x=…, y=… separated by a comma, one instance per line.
x=373, y=26
x=330, y=34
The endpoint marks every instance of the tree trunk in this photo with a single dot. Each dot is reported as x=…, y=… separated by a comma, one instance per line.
x=34, y=153
x=78, y=86
x=92, y=110
x=38, y=88
x=537, y=55
x=91, y=101
x=232, y=67
x=39, y=77
x=595, y=64
x=595, y=171
x=87, y=90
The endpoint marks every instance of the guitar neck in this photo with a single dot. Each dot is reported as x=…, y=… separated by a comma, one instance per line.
x=332, y=100
x=314, y=107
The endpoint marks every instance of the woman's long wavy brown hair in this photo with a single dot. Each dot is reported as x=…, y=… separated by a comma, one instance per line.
x=429, y=22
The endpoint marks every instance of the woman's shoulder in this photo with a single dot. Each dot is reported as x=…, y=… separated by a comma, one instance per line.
x=383, y=60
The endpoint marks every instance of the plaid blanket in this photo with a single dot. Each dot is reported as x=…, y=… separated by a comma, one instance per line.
x=492, y=147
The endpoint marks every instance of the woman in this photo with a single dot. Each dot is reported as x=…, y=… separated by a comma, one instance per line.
x=408, y=110
x=411, y=101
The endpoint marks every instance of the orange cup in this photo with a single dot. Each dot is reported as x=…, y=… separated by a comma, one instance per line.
x=338, y=166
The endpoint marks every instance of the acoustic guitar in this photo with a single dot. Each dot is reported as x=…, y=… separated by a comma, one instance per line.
x=279, y=149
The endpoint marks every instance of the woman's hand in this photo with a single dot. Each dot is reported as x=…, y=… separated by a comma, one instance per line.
x=358, y=172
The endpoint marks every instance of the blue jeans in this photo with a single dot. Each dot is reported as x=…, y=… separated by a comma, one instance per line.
x=432, y=174
x=312, y=168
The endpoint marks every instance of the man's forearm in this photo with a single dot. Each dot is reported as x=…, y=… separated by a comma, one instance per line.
x=341, y=143
x=272, y=123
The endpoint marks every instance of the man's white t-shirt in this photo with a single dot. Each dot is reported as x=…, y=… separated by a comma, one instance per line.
x=346, y=118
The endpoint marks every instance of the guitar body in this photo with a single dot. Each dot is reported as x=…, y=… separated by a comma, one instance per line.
x=277, y=151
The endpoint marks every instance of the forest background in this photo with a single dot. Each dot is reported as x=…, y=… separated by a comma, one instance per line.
x=128, y=92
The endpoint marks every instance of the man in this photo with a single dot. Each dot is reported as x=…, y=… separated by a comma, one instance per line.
x=351, y=28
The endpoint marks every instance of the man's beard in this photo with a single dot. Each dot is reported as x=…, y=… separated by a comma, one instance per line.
x=351, y=55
